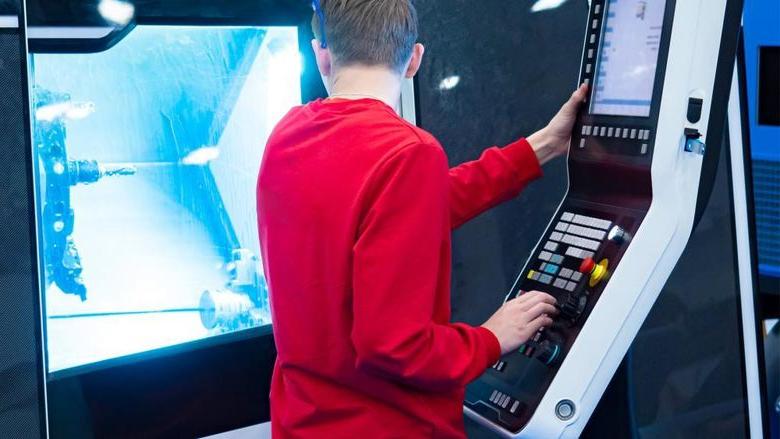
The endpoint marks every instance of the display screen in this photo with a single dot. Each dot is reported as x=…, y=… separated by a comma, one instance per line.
x=628, y=58
x=147, y=157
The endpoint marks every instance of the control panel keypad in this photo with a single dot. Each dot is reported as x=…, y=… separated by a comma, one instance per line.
x=579, y=253
x=575, y=237
x=634, y=134
x=581, y=242
x=596, y=234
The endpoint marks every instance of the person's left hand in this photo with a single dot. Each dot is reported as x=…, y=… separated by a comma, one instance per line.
x=553, y=140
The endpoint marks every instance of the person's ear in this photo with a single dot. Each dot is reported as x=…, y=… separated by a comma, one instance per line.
x=324, y=60
x=414, y=65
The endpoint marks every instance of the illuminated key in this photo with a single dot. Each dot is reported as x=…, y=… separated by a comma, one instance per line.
x=556, y=259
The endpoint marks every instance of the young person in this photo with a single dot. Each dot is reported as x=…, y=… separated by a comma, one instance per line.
x=355, y=210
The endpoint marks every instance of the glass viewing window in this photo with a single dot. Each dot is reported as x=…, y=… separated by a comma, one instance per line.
x=147, y=157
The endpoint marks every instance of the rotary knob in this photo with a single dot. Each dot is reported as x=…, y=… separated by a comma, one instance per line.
x=573, y=307
x=548, y=352
x=618, y=235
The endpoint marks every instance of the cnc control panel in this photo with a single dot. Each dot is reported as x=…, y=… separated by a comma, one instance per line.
x=641, y=149
x=572, y=263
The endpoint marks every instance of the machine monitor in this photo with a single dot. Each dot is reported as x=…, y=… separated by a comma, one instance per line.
x=628, y=59
x=641, y=167
x=146, y=156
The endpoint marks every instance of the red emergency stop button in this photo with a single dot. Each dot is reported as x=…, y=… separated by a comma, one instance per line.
x=587, y=266
x=598, y=272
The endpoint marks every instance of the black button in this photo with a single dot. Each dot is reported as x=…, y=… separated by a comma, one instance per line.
x=694, y=109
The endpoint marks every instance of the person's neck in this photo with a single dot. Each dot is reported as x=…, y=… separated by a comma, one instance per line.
x=360, y=82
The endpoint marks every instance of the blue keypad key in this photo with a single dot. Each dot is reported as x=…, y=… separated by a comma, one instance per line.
x=551, y=269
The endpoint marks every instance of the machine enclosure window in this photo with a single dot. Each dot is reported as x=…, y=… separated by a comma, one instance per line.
x=147, y=157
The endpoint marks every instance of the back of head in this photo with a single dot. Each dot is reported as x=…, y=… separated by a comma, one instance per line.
x=368, y=32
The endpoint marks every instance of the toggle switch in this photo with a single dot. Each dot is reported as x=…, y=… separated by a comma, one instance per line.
x=598, y=272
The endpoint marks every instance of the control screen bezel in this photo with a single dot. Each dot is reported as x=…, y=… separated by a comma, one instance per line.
x=619, y=150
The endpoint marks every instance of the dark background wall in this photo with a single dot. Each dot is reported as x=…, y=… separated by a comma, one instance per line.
x=683, y=375
x=516, y=68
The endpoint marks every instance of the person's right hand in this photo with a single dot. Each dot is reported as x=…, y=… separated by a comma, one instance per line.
x=553, y=140
x=520, y=318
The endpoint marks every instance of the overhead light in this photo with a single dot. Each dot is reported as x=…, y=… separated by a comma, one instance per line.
x=543, y=5
x=116, y=11
x=449, y=82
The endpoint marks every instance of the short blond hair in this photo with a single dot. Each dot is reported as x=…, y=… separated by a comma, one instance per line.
x=369, y=32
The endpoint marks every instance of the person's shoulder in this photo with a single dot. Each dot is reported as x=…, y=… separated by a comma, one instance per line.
x=289, y=126
x=292, y=116
x=416, y=152
x=415, y=132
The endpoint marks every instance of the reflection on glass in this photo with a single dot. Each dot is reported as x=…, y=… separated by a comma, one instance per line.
x=147, y=159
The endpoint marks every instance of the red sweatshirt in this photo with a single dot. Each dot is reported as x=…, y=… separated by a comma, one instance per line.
x=355, y=210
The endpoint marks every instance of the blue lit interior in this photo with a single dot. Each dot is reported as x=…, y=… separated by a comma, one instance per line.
x=154, y=146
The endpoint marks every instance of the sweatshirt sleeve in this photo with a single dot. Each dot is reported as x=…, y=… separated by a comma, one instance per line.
x=499, y=175
x=399, y=274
